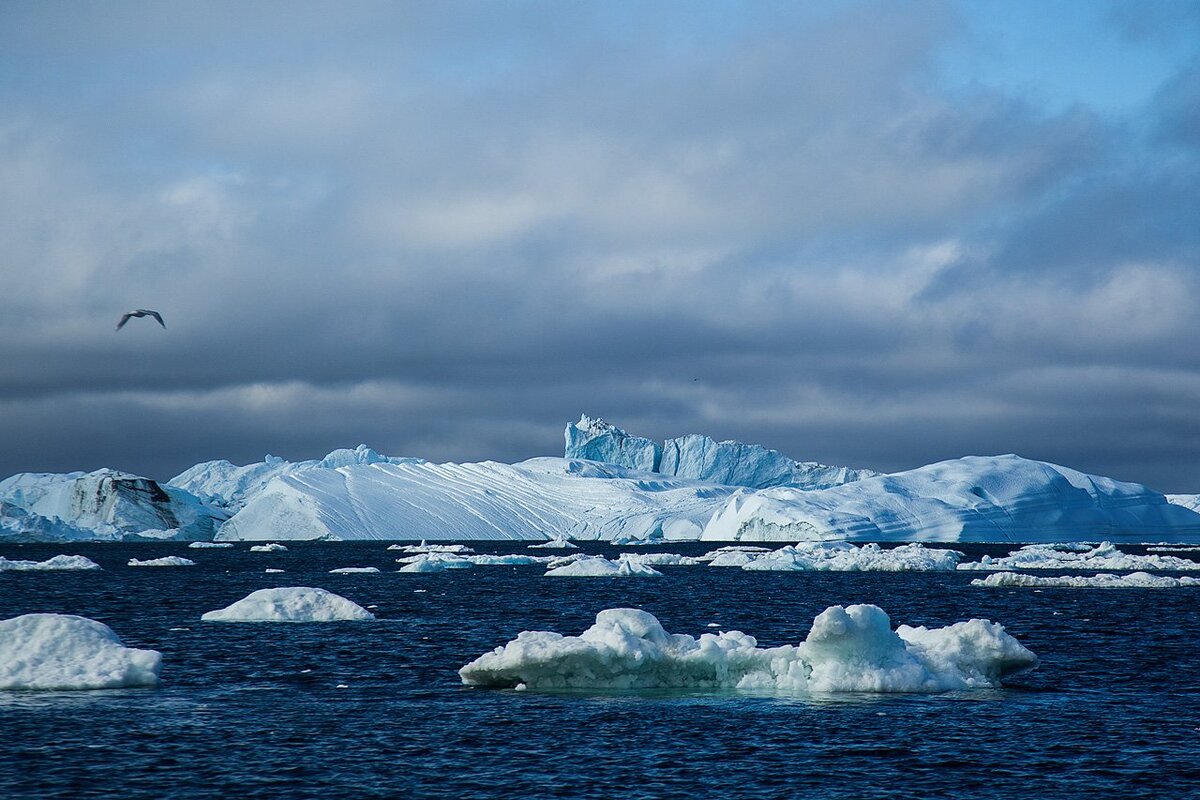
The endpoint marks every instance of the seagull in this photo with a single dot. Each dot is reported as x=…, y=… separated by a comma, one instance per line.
x=141, y=312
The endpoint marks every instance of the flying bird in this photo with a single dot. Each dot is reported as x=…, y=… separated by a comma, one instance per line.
x=141, y=312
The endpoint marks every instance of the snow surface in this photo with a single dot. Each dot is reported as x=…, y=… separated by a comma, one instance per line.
x=1104, y=556
x=290, y=604
x=849, y=649
x=600, y=567
x=229, y=486
x=165, y=561
x=845, y=557
x=1105, y=580
x=64, y=652
x=101, y=505
x=57, y=563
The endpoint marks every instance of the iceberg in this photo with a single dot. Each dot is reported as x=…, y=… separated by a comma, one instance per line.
x=596, y=440
x=1188, y=501
x=1104, y=556
x=231, y=487
x=61, y=652
x=849, y=649
x=55, y=564
x=201, y=545
x=434, y=562
x=270, y=547
x=425, y=547
x=698, y=457
x=353, y=570
x=845, y=557
x=101, y=505
x=165, y=561
x=1105, y=580
x=599, y=567
x=660, y=559
x=513, y=560
x=290, y=604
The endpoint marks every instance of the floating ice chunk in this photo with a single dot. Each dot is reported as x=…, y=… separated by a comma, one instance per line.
x=1105, y=580
x=599, y=567
x=557, y=543
x=1104, y=556
x=425, y=547
x=271, y=547
x=849, y=649
x=1174, y=548
x=51, y=564
x=845, y=557
x=201, y=545
x=270, y=570
x=290, y=604
x=660, y=559
x=349, y=570
x=713, y=555
x=434, y=562
x=165, y=561
x=732, y=558
x=515, y=560
x=64, y=652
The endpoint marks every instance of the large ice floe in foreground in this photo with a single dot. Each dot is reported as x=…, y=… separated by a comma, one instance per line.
x=849, y=649
x=1105, y=580
x=290, y=604
x=65, y=652
x=1103, y=556
x=101, y=505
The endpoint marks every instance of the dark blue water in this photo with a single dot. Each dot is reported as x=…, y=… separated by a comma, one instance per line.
x=253, y=710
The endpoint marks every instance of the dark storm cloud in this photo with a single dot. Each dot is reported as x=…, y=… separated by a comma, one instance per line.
x=446, y=230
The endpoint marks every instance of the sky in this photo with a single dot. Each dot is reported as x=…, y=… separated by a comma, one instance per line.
x=875, y=234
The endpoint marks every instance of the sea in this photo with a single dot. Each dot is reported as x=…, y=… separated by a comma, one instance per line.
x=377, y=709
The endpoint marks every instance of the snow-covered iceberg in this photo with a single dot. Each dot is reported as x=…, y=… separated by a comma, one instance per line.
x=55, y=564
x=290, y=604
x=1104, y=556
x=557, y=543
x=977, y=499
x=165, y=561
x=849, y=649
x=269, y=547
x=63, y=652
x=101, y=505
x=1105, y=580
x=230, y=486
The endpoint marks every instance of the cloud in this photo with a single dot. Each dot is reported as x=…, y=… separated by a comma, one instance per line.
x=445, y=234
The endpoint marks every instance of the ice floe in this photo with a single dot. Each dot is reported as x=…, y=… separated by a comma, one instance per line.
x=557, y=543
x=209, y=545
x=57, y=563
x=290, y=604
x=846, y=557
x=1104, y=556
x=849, y=649
x=600, y=567
x=271, y=547
x=66, y=652
x=165, y=561
x=1105, y=580
x=425, y=547
x=352, y=570
x=434, y=562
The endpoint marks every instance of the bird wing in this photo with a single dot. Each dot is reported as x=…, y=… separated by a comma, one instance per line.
x=158, y=317
x=124, y=318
